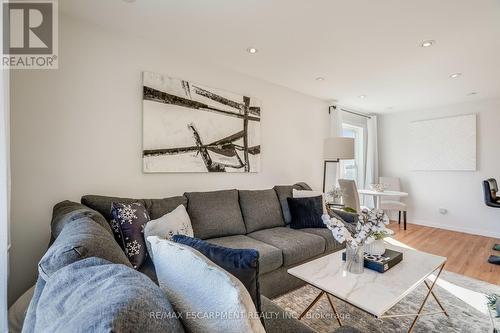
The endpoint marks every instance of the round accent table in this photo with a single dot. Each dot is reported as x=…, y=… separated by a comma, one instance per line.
x=376, y=195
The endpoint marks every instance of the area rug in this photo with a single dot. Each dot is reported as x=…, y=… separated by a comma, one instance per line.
x=462, y=297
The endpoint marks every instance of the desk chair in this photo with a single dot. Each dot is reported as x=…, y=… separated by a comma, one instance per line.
x=490, y=189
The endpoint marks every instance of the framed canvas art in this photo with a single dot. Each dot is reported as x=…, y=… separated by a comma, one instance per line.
x=188, y=127
x=444, y=144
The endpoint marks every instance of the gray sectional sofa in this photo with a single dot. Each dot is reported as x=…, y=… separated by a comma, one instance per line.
x=239, y=219
x=254, y=219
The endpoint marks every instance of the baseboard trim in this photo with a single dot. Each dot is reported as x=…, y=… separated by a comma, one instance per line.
x=471, y=231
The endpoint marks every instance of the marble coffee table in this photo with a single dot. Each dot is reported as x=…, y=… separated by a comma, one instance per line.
x=370, y=291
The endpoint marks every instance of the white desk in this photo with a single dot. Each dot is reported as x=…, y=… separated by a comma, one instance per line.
x=376, y=195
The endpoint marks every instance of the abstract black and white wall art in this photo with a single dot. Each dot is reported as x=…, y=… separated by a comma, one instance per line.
x=188, y=127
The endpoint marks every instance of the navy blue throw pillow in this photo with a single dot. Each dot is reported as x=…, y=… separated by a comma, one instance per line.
x=129, y=220
x=241, y=263
x=306, y=212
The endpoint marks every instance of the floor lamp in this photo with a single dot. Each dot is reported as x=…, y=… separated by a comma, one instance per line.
x=336, y=149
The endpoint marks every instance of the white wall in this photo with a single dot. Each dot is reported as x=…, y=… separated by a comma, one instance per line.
x=4, y=188
x=77, y=130
x=4, y=194
x=460, y=192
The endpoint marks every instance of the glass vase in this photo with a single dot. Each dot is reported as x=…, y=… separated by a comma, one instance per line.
x=354, y=262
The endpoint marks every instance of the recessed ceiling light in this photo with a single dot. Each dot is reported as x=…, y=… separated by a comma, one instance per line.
x=362, y=96
x=320, y=78
x=428, y=43
x=455, y=75
x=252, y=50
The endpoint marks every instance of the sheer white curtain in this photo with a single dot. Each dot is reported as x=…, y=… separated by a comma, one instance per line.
x=371, y=171
x=336, y=122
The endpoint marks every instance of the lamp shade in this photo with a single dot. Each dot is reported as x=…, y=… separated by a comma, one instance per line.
x=338, y=148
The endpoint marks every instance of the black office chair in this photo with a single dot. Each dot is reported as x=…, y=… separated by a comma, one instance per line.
x=490, y=189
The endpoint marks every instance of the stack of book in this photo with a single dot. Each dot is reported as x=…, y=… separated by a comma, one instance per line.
x=381, y=263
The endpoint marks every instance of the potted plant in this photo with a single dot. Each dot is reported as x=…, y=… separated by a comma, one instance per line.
x=494, y=309
x=370, y=223
x=493, y=304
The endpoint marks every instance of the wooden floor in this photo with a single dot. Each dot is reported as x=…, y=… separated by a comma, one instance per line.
x=467, y=254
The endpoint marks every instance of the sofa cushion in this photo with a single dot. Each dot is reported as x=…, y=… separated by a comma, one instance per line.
x=94, y=295
x=297, y=246
x=215, y=214
x=130, y=220
x=309, y=194
x=331, y=244
x=78, y=240
x=284, y=192
x=30, y=318
x=270, y=257
x=306, y=212
x=155, y=207
x=241, y=263
x=194, y=284
x=18, y=310
x=148, y=269
x=177, y=222
x=261, y=209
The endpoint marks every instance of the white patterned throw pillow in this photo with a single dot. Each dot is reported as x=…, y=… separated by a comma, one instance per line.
x=177, y=222
x=208, y=298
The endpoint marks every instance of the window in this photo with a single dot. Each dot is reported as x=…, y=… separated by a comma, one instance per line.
x=354, y=169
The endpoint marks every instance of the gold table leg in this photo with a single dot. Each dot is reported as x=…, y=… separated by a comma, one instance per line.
x=315, y=301
x=437, y=300
x=425, y=299
x=334, y=310
x=311, y=305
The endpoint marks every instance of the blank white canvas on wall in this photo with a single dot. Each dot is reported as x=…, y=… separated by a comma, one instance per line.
x=445, y=144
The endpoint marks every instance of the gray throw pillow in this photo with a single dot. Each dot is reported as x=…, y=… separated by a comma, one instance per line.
x=215, y=214
x=261, y=209
x=94, y=295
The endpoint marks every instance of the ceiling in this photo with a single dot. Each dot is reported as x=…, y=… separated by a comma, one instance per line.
x=360, y=47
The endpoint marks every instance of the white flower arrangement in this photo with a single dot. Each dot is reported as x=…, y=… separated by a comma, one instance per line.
x=370, y=226
x=336, y=193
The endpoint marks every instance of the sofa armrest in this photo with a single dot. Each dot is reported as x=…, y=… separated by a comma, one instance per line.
x=351, y=218
x=66, y=211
